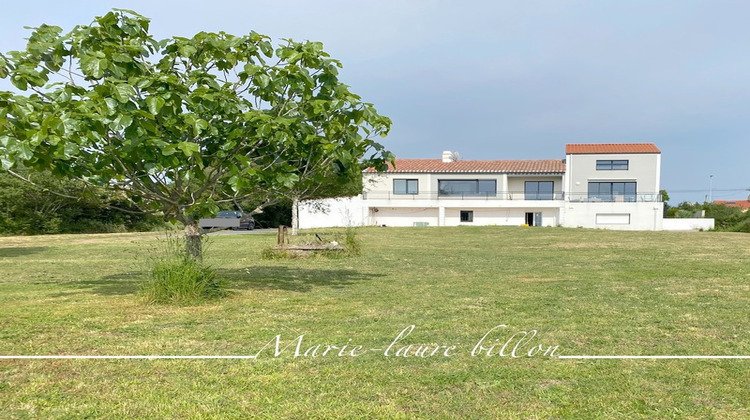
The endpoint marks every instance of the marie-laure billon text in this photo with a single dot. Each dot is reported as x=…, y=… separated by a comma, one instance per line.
x=498, y=341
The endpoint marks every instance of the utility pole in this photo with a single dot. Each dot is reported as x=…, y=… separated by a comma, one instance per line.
x=710, y=188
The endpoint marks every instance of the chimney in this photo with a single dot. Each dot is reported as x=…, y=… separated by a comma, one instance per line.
x=449, y=156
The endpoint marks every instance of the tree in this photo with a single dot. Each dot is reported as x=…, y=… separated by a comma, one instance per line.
x=664, y=199
x=28, y=209
x=182, y=125
x=76, y=208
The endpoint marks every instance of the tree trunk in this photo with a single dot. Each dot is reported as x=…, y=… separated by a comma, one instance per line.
x=193, y=246
x=295, y=216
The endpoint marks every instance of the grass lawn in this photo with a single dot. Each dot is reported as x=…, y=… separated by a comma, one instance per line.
x=587, y=292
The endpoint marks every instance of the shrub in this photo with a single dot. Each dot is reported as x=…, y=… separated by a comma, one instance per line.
x=743, y=226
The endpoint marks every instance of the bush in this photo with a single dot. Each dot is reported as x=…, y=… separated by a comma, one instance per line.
x=176, y=278
x=743, y=226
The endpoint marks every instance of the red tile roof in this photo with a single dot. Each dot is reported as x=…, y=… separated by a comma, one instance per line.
x=603, y=148
x=473, y=166
x=743, y=204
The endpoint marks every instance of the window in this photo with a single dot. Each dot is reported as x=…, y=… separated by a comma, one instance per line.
x=469, y=187
x=612, y=191
x=539, y=190
x=405, y=186
x=467, y=216
x=612, y=165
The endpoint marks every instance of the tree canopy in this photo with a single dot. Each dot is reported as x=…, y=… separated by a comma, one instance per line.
x=182, y=124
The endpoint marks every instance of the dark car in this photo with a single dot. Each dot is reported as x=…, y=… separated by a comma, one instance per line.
x=246, y=220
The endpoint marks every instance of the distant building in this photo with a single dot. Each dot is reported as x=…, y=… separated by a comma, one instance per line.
x=607, y=186
x=742, y=204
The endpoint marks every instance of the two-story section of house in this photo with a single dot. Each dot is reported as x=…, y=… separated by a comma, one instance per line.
x=610, y=186
x=613, y=186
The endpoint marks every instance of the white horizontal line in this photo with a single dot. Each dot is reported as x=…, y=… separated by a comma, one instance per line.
x=653, y=357
x=124, y=357
x=153, y=357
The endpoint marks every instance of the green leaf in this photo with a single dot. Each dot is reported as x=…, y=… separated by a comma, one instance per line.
x=111, y=105
x=188, y=148
x=3, y=67
x=169, y=150
x=123, y=92
x=122, y=122
x=187, y=50
x=266, y=48
x=19, y=82
x=199, y=125
x=161, y=144
x=71, y=149
x=262, y=80
x=25, y=151
x=6, y=163
x=155, y=104
x=251, y=69
x=94, y=66
x=64, y=96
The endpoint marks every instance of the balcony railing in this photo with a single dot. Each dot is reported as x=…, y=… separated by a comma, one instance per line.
x=518, y=196
x=615, y=198
x=434, y=195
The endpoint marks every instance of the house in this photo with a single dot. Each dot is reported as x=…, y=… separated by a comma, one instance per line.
x=744, y=205
x=610, y=186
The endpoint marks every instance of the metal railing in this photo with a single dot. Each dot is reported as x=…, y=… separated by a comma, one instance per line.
x=615, y=198
x=437, y=195
x=517, y=196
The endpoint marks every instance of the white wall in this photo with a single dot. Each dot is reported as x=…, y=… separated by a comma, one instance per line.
x=355, y=212
x=500, y=216
x=688, y=224
x=332, y=212
x=641, y=216
x=403, y=216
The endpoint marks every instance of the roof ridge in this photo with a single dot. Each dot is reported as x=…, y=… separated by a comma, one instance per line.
x=477, y=166
x=597, y=148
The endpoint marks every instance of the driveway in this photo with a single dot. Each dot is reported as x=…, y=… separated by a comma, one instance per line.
x=242, y=232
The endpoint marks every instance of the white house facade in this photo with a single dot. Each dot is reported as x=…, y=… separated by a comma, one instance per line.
x=609, y=186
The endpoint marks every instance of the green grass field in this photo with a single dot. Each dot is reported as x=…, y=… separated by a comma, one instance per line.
x=587, y=292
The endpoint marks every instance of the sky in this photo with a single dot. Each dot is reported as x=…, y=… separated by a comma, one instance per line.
x=507, y=79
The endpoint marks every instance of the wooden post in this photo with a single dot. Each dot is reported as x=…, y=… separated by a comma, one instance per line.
x=282, y=236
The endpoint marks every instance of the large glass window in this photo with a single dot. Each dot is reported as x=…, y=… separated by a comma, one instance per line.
x=405, y=186
x=539, y=190
x=612, y=191
x=612, y=165
x=468, y=187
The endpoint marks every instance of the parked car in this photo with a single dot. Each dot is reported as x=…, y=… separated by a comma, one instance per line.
x=229, y=219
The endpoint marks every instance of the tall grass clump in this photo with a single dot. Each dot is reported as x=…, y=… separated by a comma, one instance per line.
x=174, y=277
x=352, y=244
